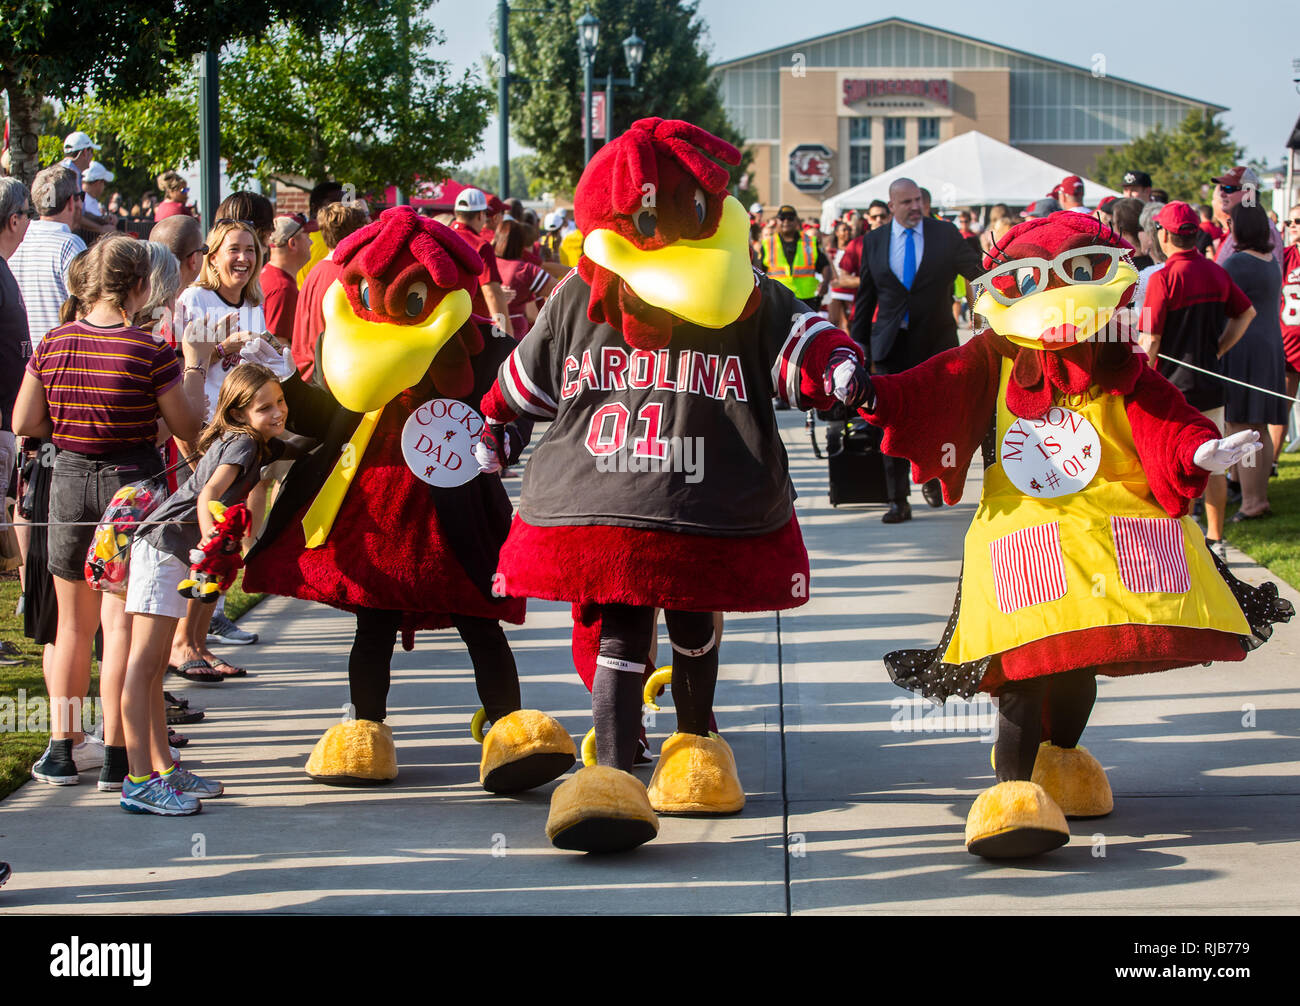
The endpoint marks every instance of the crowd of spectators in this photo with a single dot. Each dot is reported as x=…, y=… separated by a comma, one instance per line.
x=159, y=323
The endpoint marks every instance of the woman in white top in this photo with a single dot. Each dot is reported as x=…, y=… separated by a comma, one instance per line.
x=224, y=308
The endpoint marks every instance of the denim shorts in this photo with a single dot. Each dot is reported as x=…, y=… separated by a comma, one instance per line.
x=81, y=486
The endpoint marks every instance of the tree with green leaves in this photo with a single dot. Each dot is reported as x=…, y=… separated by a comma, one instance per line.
x=116, y=48
x=365, y=101
x=1181, y=162
x=674, y=81
x=523, y=181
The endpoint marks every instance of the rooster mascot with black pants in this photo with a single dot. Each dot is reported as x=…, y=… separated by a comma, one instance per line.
x=661, y=480
x=1081, y=559
x=391, y=517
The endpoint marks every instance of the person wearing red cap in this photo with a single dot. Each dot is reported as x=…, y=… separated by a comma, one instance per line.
x=1070, y=194
x=1102, y=212
x=1231, y=189
x=1187, y=303
x=490, y=302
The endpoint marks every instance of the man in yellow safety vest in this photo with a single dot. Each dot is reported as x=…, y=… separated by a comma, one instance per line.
x=792, y=257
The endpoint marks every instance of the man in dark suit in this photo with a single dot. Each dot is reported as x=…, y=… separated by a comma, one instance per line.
x=908, y=270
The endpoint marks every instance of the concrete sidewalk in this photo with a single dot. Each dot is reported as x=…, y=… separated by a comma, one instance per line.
x=866, y=791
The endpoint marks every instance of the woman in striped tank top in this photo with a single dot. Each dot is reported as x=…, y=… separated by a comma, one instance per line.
x=95, y=388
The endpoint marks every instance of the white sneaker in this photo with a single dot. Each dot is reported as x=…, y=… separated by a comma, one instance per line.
x=89, y=753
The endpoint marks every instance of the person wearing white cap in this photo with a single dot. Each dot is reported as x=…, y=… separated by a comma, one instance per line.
x=78, y=151
x=78, y=156
x=93, y=182
x=490, y=301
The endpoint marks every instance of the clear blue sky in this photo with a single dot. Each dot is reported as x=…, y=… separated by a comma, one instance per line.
x=1197, y=48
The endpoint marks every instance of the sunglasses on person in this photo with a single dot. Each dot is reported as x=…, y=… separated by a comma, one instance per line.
x=1294, y=221
x=231, y=220
x=1228, y=190
x=200, y=250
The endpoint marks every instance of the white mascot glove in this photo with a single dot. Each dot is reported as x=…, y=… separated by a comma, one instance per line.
x=485, y=451
x=277, y=361
x=1217, y=456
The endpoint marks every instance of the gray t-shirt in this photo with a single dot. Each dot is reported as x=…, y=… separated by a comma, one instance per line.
x=233, y=449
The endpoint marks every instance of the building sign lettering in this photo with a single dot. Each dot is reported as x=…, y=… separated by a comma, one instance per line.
x=933, y=90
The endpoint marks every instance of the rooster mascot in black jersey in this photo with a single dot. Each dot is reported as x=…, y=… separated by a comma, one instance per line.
x=661, y=481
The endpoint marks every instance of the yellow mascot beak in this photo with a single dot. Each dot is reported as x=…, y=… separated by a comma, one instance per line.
x=1036, y=320
x=367, y=364
x=704, y=282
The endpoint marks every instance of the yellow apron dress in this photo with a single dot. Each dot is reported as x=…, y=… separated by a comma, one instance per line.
x=1102, y=552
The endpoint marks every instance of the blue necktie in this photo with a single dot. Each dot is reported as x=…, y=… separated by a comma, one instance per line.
x=909, y=263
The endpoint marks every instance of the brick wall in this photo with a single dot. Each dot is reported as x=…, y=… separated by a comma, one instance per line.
x=290, y=200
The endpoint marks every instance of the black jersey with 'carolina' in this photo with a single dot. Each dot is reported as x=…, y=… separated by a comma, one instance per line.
x=683, y=438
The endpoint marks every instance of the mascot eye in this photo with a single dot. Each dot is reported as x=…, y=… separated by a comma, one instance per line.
x=1027, y=279
x=646, y=221
x=415, y=299
x=365, y=294
x=1079, y=268
x=701, y=206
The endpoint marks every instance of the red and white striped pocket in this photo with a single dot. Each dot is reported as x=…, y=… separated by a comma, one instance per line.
x=1151, y=555
x=1027, y=567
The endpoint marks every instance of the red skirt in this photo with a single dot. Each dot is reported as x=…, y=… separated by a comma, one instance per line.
x=386, y=550
x=602, y=564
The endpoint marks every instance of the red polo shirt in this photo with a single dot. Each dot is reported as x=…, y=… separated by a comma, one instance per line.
x=490, y=273
x=279, y=302
x=1187, y=304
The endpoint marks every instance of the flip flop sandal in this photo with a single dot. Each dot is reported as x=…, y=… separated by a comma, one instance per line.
x=180, y=717
x=172, y=700
x=234, y=672
x=1238, y=517
x=176, y=740
x=191, y=670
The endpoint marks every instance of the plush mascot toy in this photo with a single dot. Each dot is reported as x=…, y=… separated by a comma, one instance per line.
x=661, y=480
x=1080, y=559
x=215, y=564
x=391, y=517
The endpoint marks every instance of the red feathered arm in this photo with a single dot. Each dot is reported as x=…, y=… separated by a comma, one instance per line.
x=1167, y=431
x=937, y=413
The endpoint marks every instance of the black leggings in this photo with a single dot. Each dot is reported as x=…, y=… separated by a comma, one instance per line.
x=1067, y=699
x=370, y=665
x=616, y=691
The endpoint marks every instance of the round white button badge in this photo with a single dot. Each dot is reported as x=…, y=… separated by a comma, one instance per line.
x=438, y=442
x=1055, y=455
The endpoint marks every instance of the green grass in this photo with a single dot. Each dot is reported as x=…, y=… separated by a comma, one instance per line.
x=1275, y=541
x=237, y=602
x=18, y=747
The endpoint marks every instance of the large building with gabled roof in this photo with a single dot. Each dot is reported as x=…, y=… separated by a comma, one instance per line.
x=826, y=113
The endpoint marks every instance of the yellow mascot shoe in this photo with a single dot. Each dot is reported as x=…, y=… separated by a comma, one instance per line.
x=523, y=750
x=1014, y=820
x=600, y=809
x=1074, y=779
x=354, y=753
x=696, y=775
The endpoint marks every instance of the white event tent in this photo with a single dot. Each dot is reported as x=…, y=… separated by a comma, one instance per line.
x=969, y=170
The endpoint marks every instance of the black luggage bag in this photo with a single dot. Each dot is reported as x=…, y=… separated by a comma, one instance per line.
x=855, y=464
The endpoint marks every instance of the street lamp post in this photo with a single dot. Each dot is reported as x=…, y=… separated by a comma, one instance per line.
x=633, y=54
x=588, y=36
